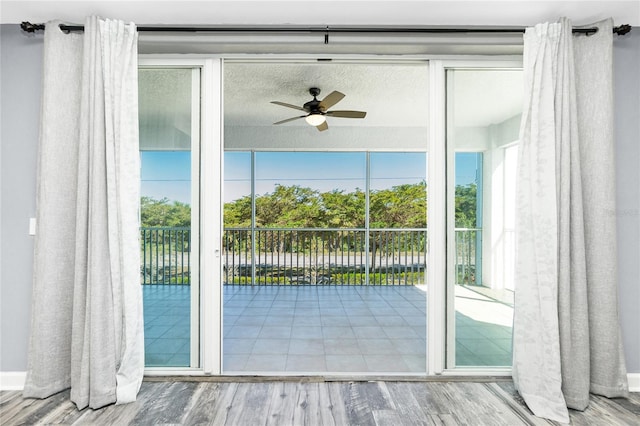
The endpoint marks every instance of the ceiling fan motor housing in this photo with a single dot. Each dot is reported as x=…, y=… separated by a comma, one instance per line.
x=313, y=106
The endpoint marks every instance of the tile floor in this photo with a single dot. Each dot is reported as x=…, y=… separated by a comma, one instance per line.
x=483, y=326
x=166, y=325
x=327, y=329
x=355, y=329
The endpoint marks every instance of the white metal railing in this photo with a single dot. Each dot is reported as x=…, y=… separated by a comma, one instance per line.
x=308, y=256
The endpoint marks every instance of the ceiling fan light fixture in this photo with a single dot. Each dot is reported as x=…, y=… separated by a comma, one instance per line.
x=315, y=119
x=316, y=111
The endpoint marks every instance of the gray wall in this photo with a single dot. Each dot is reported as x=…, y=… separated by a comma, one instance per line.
x=21, y=63
x=20, y=73
x=627, y=133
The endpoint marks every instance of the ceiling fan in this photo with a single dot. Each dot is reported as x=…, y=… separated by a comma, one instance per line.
x=317, y=110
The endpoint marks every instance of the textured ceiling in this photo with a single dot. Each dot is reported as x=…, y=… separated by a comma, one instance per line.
x=392, y=95
x=481, y=98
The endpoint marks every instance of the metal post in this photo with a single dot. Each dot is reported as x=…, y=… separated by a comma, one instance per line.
x=253, y=217
x=367, y=186
x=479, y=218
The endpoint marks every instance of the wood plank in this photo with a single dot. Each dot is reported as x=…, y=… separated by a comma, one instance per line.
x=601, y=410
x=227, y=392
x=32, y=410
x=60, y=414
x=430, y=398
x=406, y=404
x=512, y=400
x=206, y=402
x=604, y=411
x=169, y=405
x=7, y=396
x=281, y=403
x=305, y=404
x=308, y=405
x=388, y=418
x=624, y=403
x=443, y=420
x=494, y=408
x=356, y=405
x=376, y=395
x=237, y=404
x=332, y=407
x=120, y=414
x=634, y=397
x=13, y=407
x=10, y=403
x=252, y=408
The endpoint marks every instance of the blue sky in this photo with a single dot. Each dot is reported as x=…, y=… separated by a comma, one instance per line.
x=168, y=173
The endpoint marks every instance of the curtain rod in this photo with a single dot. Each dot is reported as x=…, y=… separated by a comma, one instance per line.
x=31, y=28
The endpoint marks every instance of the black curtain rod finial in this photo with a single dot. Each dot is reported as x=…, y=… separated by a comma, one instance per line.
x=28, y=27
x=622, y=29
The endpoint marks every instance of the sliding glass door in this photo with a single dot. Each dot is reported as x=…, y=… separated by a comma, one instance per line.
x=169, y=137
x=319, y=263
x=484, y=108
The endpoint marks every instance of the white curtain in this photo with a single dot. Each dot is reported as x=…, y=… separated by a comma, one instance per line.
x=566, y=335
x=87, y=328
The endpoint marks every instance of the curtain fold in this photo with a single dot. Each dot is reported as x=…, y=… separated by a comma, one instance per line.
x=566, y=333
x=594, y=87
x=87, y=327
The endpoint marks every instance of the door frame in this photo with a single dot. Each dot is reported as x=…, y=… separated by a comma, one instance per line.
x=440, y=338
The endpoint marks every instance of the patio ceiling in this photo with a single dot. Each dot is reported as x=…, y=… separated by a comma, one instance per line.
x=395, y=97
x=392, y=95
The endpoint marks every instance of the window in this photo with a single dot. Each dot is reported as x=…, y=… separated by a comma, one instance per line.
x=323, y=203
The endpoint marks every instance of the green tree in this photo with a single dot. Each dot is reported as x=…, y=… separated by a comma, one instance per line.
x=289, y=206
x=164, y=213
x=301, y=207
x=343, y=210
x=466, y=202
x=237, y=214
x=402, y=206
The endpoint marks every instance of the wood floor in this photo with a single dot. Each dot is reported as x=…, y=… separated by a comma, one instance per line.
x=309, y=402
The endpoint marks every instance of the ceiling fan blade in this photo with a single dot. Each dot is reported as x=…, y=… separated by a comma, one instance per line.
x=347, y=114
x=288, y=105
x=330, y=100
x=289, y=119
x=322, y=127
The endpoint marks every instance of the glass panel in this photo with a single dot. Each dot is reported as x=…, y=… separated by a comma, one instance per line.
x=236, y=247
x=468, y=218
x=165, y=208
x=484, y=109
x=313, y=205
x=311, y=241
x=398, y=218
x=398, y=254
x=317, y=302
x=307, y=189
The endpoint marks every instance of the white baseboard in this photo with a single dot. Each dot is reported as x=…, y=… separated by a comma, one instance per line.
x=634, y=382
x=12, y=380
